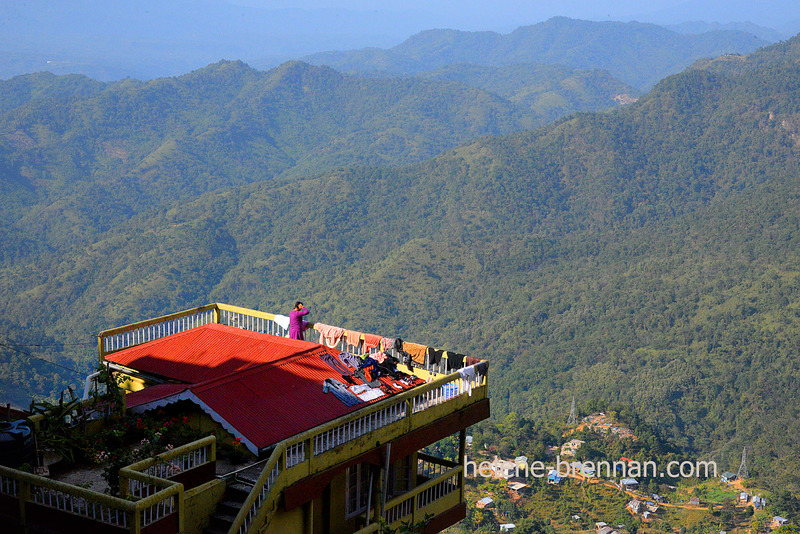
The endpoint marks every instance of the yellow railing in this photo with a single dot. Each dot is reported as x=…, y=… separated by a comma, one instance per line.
x=115, y=339
x=413, y=505
x=177, y=460
x=160, y=499
x=321, y=448
x=130, y=335
x=417, y=501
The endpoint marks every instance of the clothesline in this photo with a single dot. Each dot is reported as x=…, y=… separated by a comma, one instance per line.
x=422, y=355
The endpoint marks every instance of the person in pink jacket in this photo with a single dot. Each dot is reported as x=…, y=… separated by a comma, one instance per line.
x=296, y=322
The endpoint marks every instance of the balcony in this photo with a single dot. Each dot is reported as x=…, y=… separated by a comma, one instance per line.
x=440, y=488
x=153, y=503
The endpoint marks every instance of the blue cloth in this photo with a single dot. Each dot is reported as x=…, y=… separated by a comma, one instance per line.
x=340, y=391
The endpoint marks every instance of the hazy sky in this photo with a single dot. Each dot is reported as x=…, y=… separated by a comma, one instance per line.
x=499, y=14
x=112, y=39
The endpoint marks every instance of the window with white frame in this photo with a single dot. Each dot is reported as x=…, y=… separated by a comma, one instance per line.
x=357, y=490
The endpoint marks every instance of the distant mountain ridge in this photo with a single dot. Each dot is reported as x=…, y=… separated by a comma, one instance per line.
x=638, y=54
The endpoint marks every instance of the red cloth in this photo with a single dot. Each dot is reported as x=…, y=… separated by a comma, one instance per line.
x=371, y=341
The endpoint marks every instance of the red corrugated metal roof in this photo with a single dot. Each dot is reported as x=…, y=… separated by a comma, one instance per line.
x=265, y=387
x=207, y=352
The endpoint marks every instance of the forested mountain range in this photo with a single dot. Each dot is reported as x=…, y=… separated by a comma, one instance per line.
x=636, y=53
x=647, y=255
x=132, y=145
x=549, y=91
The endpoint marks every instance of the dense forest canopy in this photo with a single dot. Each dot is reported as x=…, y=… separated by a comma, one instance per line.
x=647, y=255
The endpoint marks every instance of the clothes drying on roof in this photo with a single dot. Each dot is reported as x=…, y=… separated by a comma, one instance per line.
x=469, y=360
x=434, y=356
x=367, y=393
x=283, y=321
x=340, y=391
x=416, y=351
x=329, y=335
x=467, y=376
x=353, y=337
x=369, y=363
x=335, y=364
x=454, y=360
x=387, y=344
x=367, y=378
x=481, y=369
x=358, y=389
x=371, y=341
x=388, y=367
x=370, y=368
x=379, y=357
x=351, y=360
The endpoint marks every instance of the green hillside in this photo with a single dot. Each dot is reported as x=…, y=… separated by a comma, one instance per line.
x=132, y=144
x=638, y=54
x=549, y=91
x=646, y=256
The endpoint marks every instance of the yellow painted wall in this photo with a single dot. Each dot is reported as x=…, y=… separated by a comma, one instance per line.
x=199, y=504
x=130, y=383
x=285, y=522
x=338, y=492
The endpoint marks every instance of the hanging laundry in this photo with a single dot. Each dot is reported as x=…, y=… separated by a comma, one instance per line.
x=283, y=321
x=371, y=341
x=434, y=356
x=467, y=377
x=387, y=344
x=469, y=360
x=353, y=337
x=329, y=335
x=401, y=354
x=482, y=369
x=416, y=351
x=340, y=391
x=454, y=360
